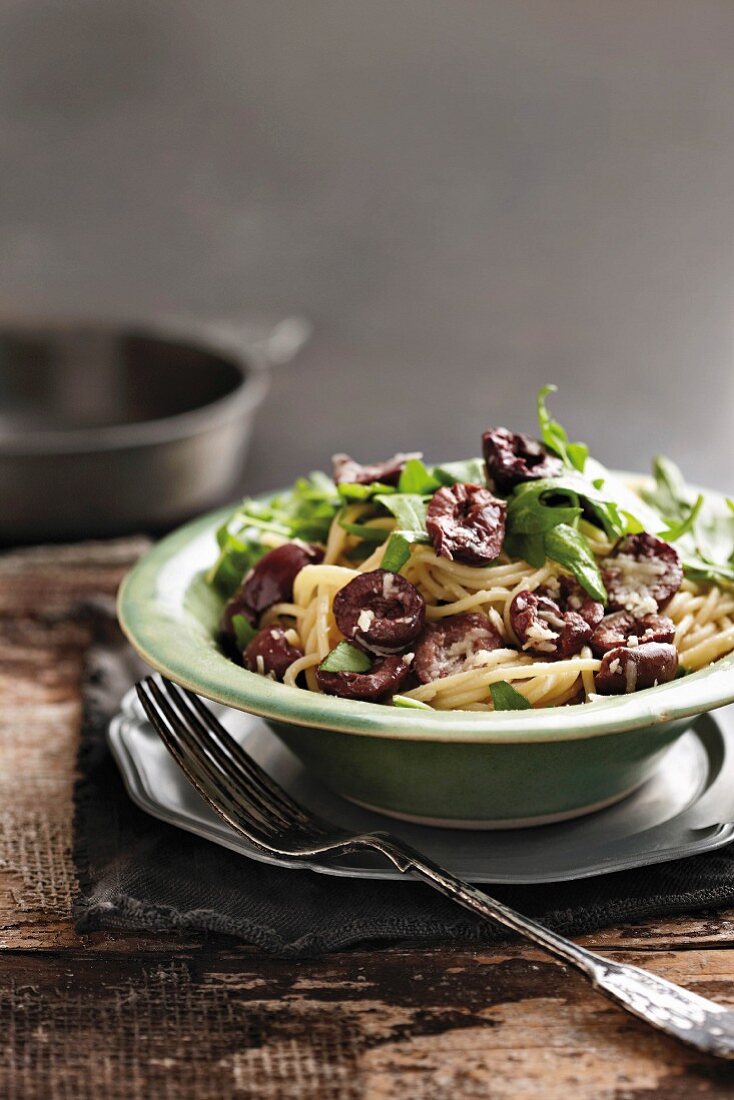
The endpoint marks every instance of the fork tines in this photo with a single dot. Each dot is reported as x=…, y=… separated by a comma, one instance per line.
x=221, y=770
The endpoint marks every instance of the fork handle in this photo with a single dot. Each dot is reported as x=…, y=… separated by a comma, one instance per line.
x=490, y=909
x=678, y=1012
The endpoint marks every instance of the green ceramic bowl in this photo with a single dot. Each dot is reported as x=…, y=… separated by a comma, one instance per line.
x=461, y=769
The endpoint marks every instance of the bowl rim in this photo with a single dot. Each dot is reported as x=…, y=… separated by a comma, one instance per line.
x=247, y=394
x=162, y=576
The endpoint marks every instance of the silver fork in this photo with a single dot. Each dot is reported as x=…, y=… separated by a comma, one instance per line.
x=258, y=808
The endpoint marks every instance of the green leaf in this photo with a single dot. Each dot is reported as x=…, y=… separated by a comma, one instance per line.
x=409, y=510
x=397, y=550
x=409, y=704
x=374, y=535
x=396, y=553
x=577, y=453
x=529, y=548
x=632, y=525
x=569, y=548
x=244, y=631
x=346, y=658
x=415, y=478
x=569, y=491
x=536, y=506
x=670, y=497
x=704, y=529
x=352, y=491
x=696, y=569
x=506, y=697
x=470, y=472
x=607, y=488
x=554, y=435
x=236, y=556
x=564, y=544
x=306, y=511
x=684, y=526
x=608, y=515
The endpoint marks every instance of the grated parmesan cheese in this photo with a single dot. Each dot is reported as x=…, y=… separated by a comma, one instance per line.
x=630, y=674
x=553, y=586
x=550, y=617
x=541, y=638
x=637, y=603
x=366, y=618
x=636, y=568
x=388, y=585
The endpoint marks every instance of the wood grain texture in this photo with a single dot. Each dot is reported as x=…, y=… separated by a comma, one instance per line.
x=130, y=1016
x=382, y=1025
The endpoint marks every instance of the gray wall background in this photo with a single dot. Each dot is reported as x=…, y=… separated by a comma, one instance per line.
x=467, y=198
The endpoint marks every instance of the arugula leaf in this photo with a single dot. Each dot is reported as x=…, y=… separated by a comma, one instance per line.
x=244, y=631
x=530, y=548
x=470, y=472
x=536, y=506
x=306, y=511
x=633, y=512
x=569, y=491
x=543, y=519
x=698, y=570
x=704, y=529
x=409, y=704
x=569, y=548
x=396, y=553
x=397, y=550
x=506, y=697
x=632, y=523
x=542, y=522
x=346, y=658
x=670, y=497
x=416, y=478
x=409, y=510
x=236, y=556
x=683, y=526
x=554, y=435
x=362, y=531
x=352, y=491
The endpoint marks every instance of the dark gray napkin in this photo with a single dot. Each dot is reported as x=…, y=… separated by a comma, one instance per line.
x=138, y=874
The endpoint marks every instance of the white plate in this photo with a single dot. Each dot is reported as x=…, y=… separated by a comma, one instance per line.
x=685, y=809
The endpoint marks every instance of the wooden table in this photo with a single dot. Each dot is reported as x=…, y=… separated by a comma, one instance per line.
x=129, y=1017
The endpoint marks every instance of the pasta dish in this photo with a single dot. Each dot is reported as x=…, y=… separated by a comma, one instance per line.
x=529, y=577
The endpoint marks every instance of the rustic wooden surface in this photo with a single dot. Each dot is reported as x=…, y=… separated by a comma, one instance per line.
x=133, y=1017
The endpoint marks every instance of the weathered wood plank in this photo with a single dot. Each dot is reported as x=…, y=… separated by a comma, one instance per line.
x=42, y=647
x=377, y=1025
x=48, y=581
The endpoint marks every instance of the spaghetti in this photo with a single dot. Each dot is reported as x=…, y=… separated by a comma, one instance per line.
x=703, y=616
x=532, y=571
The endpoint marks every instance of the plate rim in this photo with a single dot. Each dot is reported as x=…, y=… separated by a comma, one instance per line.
x=717, y=835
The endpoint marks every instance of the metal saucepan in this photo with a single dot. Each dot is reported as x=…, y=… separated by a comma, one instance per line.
x=109, y=429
